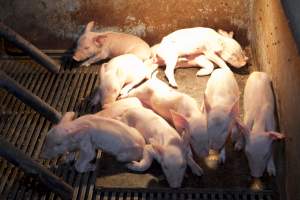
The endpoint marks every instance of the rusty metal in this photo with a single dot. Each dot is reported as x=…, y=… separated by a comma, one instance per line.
x=13, y=37
x=32, y=100
x=32, y=168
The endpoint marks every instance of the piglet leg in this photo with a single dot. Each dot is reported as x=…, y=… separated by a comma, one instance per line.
x=124, y=91
x=171, y=60
x=196, y=169
x=96, y=97
x=207, y=65
x=216, y=59
x=271, y=167
x=93, y=59
x=70, y=157
x=238, y=134
x=87, y=153
x=222, y=156
x=145, y=162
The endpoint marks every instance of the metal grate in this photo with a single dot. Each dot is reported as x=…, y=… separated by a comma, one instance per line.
x=188, y=194
x=26, y=129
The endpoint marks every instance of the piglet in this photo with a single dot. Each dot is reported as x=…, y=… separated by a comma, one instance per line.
x=168, y=148
x=117, y=108
x=118, y=76
x=158, y=96
x=217, y=47
x=186, y=61
x=259, y=119
x=91, y=132
x=221, y=103
x=97, y=46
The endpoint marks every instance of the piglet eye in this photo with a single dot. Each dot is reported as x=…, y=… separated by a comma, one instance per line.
x=86, y=48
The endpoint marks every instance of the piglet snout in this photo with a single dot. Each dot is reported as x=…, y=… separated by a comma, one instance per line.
x=76, y=58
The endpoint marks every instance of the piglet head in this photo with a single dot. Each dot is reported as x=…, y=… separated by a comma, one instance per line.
x=173, y=162
x=109, y=89
x=232, y=51
x=88, y=44
x=219, y=121
x=259, y=150
x=56, y=138
x=196, y=129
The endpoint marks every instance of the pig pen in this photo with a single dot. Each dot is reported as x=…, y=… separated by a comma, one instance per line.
x=260, y=26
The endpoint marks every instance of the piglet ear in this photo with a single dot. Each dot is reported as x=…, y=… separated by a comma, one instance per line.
x=68, y=116
x=276, y=135
x=99, y=40
x=225, y=33
x=89, y=27
x=179, y=121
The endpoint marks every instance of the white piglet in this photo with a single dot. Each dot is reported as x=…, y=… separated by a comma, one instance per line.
x=170, y=149
x=118, y=76
x=118, y=107
x=91, y=132
x=215, y=47
x=158, y=96
x=221, y=102
x=186, y=61
x=259, y=118
x=93, y=46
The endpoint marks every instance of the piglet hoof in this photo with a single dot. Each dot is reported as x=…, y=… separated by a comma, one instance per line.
x=238, y=146
x=85, y=64
x=221, y=159
x=271, y=170
x=203, y=72
x=173, y=84
x=123, y=95
x=94, y=101
x=69, y=157
x=134, y=166
x=85, y=168
x=197, y=171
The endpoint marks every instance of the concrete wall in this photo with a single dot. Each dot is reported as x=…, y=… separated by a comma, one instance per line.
x=276, y=53
x=57, y=23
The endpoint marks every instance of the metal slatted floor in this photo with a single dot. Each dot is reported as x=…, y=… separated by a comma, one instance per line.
x=26, y=129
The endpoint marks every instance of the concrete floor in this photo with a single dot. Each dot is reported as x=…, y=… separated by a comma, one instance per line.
x=233, y=174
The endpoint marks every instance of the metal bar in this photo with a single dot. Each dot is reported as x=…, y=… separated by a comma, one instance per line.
x=34, y=169
x=29, y=48
x=30, y=99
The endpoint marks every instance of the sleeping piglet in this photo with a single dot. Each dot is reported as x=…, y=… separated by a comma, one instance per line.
x=118, y=76
x=168, y=148
x=221, y=102
x=91, y=132
x=158, y=96
x=216, y=47
x=185, y=61
x=117, y=108
x=260, y=124
x=97, y=46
